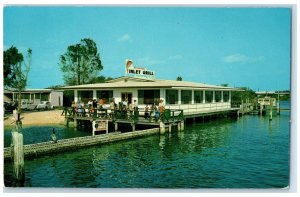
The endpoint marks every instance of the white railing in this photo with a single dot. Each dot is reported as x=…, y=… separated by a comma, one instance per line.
x=200, y=107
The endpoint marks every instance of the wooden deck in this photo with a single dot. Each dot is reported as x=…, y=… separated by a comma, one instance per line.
x=211, y=112
x=35, y=150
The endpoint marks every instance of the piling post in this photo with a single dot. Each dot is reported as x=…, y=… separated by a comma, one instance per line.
x=271, y=110
x=170, y=127
x=93, y=127
x=18, y=154
x=242, y=107
x=116, y=126
x=178, y=126
x=182, y=125
x=75, y=122
x=162, y=127
x=261, y=109
x=133, y=126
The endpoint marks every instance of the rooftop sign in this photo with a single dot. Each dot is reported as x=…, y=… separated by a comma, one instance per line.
x=132, y=71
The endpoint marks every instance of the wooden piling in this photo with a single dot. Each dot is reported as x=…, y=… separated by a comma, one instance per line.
x=181, y=125
x=75, y=122
x=116, y=126
x=18, y=155
x=178, y=126
x=271, y=110
x=162, y=128
x=133, y=126
x=170, y=127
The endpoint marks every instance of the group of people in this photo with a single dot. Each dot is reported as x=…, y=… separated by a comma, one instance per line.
x=157, y=111
x=91, y=106
x=126, y=108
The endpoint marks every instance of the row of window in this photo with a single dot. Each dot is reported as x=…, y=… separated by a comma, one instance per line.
x=186, y=96
x=26, y=96
x=153, y=96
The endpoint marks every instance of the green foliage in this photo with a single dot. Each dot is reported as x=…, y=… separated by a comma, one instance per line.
x=81, y=63
x=224, y=84
x=11, y=59
x=17, y=70
x=100, y=79
x=179, y=78
x=246, y=93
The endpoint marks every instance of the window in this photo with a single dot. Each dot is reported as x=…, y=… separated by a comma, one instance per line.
x=84, y=96
x=37, y=96
x=218, y=96
x=208, y=96
x=225, y=96
x=198, y=96
x=45, y=97
x=171, y=96
x=107, y=95
x=25, y=96
x=186, y=96
x=148, y=96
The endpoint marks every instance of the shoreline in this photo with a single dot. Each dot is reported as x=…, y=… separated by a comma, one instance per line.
x=37, y=118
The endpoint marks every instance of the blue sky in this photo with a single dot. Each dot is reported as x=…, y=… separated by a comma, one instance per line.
x=239, y=46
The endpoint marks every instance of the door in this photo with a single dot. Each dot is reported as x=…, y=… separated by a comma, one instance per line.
x=127, y=96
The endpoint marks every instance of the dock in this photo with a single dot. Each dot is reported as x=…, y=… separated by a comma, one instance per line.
x=170, y=119
x=44, y=148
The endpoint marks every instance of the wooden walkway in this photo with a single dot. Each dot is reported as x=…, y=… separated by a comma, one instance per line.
x=35, y=150
x=211, y=112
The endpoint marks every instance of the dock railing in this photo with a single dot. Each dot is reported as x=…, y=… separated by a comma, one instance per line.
x=169, y=115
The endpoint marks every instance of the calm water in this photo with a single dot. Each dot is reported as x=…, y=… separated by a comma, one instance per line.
x=245, y=153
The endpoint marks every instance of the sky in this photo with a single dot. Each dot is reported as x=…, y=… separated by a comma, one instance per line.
x=243, y=47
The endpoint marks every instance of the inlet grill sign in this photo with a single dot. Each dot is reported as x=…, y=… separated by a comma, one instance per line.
x=132, y=71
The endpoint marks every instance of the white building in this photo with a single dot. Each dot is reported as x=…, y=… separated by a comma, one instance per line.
x=192, y=97
x=35, y=96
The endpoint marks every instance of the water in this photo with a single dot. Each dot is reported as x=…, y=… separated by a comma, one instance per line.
x=36, y=134
x=245, y=153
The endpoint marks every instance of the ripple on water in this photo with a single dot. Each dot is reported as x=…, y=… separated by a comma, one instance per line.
x=247, y=153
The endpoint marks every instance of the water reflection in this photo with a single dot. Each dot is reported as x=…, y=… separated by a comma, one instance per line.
x=218, y=154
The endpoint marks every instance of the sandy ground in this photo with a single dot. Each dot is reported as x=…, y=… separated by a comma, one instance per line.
x=38, y=118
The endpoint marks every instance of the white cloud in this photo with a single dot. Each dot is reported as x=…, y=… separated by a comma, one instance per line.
x=175, y=57
x=241, y=58
x=125, y=37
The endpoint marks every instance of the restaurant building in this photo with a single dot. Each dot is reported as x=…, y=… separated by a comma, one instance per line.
x=141, y=85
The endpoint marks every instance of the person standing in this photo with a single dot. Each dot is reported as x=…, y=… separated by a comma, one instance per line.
x=161, y=107
x=135, y=105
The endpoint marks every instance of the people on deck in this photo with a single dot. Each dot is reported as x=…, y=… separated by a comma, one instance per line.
x=156, y=112
x=131, y=108
x=90, y=103
x=161, y=107
x=135, y=104
x=147, y=116
x=95, y=104
x=101, y=103
x=112, y=104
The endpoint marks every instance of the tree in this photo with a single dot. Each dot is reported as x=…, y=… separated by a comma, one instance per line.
x=21, y=71
x=16, y=73
x=100, y=79
x=224, y=84
x=80, y=63
x=179, y=78
x=11, y=58
x=247, y=93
